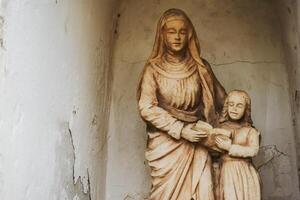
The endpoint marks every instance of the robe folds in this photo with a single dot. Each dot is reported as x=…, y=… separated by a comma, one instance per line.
x=171, y=96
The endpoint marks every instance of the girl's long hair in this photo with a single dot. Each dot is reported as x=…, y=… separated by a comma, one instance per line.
x=246, y=120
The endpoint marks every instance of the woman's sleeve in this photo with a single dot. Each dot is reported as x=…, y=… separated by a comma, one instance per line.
x=151, y=112
x=250, y=150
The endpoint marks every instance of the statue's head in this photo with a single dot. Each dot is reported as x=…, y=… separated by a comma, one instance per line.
x=175, y=33
x=237, y=107
x=176, y=30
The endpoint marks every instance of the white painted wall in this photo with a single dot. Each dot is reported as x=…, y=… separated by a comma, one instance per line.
x=54, y=76
x=242, y=41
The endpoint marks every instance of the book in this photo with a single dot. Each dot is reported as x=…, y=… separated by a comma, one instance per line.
x=206, y=127
x=212, y=134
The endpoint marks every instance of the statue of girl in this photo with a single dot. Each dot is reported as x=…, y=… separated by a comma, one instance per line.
x=239, y=179
x=178, y=88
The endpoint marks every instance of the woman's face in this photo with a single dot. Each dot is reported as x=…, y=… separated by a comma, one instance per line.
x=236, y=107
x=176, y=35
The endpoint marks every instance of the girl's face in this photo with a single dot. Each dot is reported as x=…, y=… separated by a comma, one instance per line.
x=176, y=35
x=236, y=107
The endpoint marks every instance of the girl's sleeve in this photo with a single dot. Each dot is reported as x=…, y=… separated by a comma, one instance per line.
x=250, y=150
x=149, y=109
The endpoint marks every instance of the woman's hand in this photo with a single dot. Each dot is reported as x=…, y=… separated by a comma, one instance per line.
x=191, y=135
x=223, y=143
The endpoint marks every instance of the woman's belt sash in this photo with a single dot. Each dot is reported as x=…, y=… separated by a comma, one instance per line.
x=186, y=116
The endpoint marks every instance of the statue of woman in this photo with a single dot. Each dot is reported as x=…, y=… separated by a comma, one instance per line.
x=177, y=89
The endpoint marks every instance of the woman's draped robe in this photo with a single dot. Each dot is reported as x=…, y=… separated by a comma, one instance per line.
x=170, y=97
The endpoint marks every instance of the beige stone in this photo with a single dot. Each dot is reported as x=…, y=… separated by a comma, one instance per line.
x=239, y=180
x=177, y=89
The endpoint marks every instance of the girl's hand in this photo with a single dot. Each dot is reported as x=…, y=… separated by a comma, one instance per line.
x=223, y=143
x=191, y=135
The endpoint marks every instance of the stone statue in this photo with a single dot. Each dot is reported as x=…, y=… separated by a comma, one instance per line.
x=239, y=179
x=177, y=89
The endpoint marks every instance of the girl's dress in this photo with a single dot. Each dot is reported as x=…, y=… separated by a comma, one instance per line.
x=239, y=180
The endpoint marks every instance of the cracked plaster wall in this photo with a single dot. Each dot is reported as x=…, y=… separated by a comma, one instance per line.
x=243, y=42
x=289, y=12
x=54, y=83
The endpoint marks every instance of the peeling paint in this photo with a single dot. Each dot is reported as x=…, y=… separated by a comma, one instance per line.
x=67, y=186
x=79, y=180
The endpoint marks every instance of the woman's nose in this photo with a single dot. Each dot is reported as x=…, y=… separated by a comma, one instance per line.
x=177, y=36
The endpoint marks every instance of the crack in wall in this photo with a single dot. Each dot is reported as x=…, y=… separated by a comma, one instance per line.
x=218, y=64
x=116, y=25
x=1, y=32
x=248, y=62
x=134, y=62
x=74, y=154
x=276, y=153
